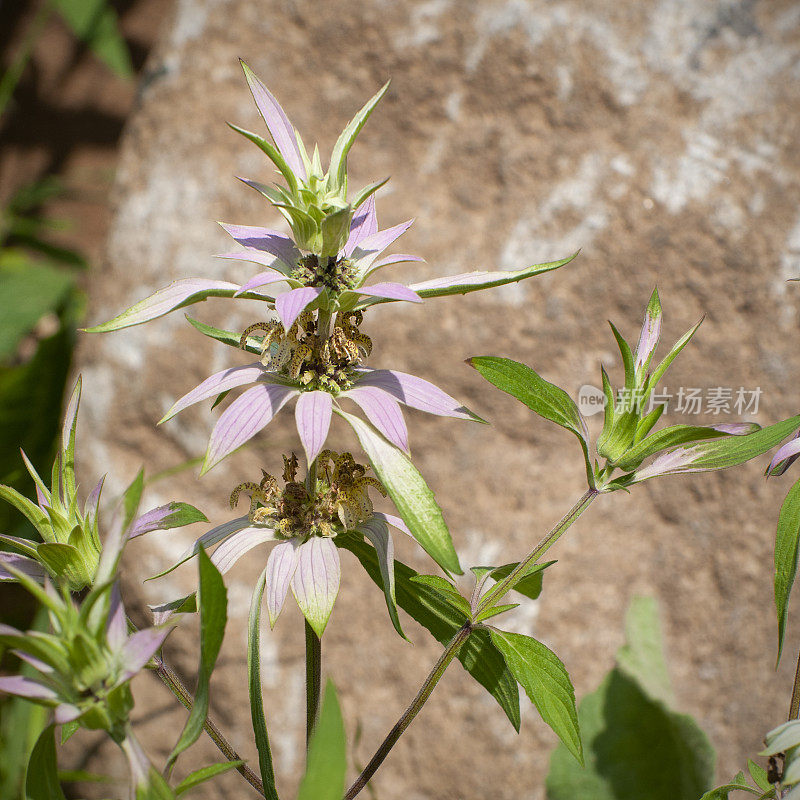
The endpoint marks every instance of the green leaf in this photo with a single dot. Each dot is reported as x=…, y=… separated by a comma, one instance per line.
x=529, y=583
x=642, y=657
x=131, y=499
x=213, y=604
x=362, y=195
x=478, y=655
x=68, y=440
x=473, y=282
x=627, y=358
x=738, y=784
x=205, y=774
x=28, y=291
x=273, y=154
x=95, y=21
x=338, y=167
x=787, y=537
x=256, y=697
x=335, y=229
x=327, y=762
x=659, y=371
x=64, y=562
x=41, y=782
x=759, y=775
x=446, y=589
x=409, y=492
x=546, y=682
x=28, y=508
x=252, y=345
x=544, y=398
x=495, y=611
x=632, y=739
x=664, y=439
x=718, y=454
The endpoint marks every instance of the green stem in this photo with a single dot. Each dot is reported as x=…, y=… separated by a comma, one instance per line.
x=313, y=679
x=450, y=652
x=506, y=584
x=794, y=706
x=171, y=680
x=11, y=77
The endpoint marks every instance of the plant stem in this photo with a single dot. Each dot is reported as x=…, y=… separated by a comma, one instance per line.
x=313, y=679
x=506, y=584
x=450, y=652
x=171, y=680
x=794, y=706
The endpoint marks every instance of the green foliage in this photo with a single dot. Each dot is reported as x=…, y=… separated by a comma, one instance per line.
x=544, y=398
x=546, y=682
x=634, y=744
x=435, y=612
x=786, y=546
x=326, y=765
x=254, y=685
x=41, y=782
x=204, y=774
x=213, y=603
x=410, y=494
x=96, y=23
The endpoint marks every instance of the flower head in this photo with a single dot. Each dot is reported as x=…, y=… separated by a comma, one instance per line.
x=303, y=522
x=85, y=663
x=321, y=371
x=70, y=549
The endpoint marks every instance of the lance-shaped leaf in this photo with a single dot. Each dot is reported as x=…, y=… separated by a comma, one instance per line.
x=206, y=774
x=787, y=539
x=178, y=294
x=327, y=762
x=784, y=457
x=216, y=384
x=281, y=566
x=383, y=411
x=717, y=454
x=377, y=531
x=546, y=682
x=651, y=332
x=291, y=305
x=243, y=419
x=277, y=122
x=272, y=153
x=478, y=655
x=252, y=343
x=33, y=569
x=414, y=392
x=166, y=517
x=544, y=398
x=338, y=166
x=315, y=582
x=213, y=603
x=659, y=371
x=41, y=781
x=529, y=583
x=410, y=494
x=680, y=434
x=256, y=698
x=313, y=416
x=68, y=440
x=473, y=281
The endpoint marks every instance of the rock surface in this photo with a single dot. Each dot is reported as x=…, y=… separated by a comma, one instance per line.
x=655, y=136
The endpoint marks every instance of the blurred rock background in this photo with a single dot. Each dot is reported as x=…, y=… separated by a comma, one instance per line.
x=658, y=137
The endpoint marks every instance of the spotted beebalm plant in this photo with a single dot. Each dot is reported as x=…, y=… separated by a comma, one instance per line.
x=317, y=287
